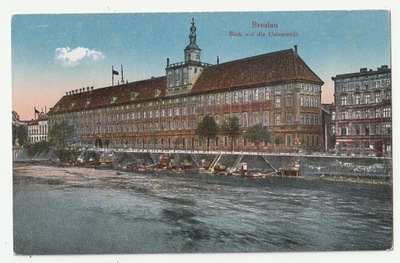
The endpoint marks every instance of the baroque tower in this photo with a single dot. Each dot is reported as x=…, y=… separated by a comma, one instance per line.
x=181, y=76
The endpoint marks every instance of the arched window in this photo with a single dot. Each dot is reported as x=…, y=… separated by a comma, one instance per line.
x=256, y=95
x=246, y=96
x=236, y=97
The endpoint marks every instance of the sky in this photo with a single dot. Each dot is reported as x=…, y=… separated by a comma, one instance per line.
x=55, y=53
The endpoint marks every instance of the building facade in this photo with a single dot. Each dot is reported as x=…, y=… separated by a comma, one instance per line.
x=277, y=90
x=362, y=116
x=38, y=129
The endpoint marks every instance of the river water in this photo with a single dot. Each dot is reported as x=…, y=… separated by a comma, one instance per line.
x=73, y=210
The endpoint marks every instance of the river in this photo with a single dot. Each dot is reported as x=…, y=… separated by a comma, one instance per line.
x=75, y=210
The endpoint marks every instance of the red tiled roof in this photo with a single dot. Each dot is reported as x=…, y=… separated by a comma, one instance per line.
x=277, y=67
x=112, y=95
x=272, y=68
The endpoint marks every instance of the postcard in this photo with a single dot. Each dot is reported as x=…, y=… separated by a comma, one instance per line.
x=202, y=132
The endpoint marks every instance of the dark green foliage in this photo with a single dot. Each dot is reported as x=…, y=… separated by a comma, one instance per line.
x=231, y=128
x=62, y=134
x=257, y=134
x=278, y=140
x=207, y=129
x=19, y=135
x=37, y=148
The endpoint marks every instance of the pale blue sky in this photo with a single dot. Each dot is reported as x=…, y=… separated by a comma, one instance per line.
x=330, y=42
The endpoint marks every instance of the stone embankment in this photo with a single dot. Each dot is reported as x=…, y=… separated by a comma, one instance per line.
x=310, y=165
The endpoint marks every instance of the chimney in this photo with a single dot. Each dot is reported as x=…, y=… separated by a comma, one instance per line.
x=363, y=70
x=295, y=49
x=217, y=60
x=167, y=62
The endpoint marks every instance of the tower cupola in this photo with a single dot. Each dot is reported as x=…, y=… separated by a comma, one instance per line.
x=192, y=51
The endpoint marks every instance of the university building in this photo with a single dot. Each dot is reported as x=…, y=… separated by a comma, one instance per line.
x=277, y=90
x=361, y=117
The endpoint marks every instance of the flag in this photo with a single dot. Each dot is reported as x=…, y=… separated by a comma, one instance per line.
x=114, y=72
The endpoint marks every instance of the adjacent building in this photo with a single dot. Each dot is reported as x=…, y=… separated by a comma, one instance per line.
x=38, y=128
x=277, y=90
x=362, y=117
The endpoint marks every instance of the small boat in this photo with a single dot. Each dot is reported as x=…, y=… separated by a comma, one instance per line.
x=292, y=169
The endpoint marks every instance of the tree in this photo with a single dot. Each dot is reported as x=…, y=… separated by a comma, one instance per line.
x=278, y=140
x=207, y=129
x=154, y=139
x=177, y=142
x=61, y=135
x=19, y=135
x=231, y=128
x=257, y=134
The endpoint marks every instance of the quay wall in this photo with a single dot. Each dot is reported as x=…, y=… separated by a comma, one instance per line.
x=258, y=162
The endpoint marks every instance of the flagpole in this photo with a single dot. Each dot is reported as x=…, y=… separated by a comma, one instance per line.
x=122, y=75
x=112, y=75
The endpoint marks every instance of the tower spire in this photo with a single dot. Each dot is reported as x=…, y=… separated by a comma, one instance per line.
x=192, y=51
x=192, y=35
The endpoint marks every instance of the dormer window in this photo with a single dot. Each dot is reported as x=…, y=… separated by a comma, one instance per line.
x=157, y=93
x=88, y=101
x=72, y=104
x=114, y=98
x=134, y=95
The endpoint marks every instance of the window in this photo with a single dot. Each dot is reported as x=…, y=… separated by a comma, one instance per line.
x=288, y=140
x=218, y=99
x=344, y=115
x=266, y=118
x=245, y=96
x=227, y=98
x=377, y=113
x=388, y=95
x=236, y=97
x=367, y=114
x=358, y=99
x=358, y=114
x=256, y=95
x=302, y=101
x=387, y=129
x=245, y=119
x=277, y=102
x=267, y=97
x=387, y=112
x=288, y=101
x=367, y=98
x=377, y=97
x=277, y=119
x=366, y=129
x=307, y=102
x=288, y=119
x=177, y=111
x=344, y=100
x=358, y=129
x=343, y=130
